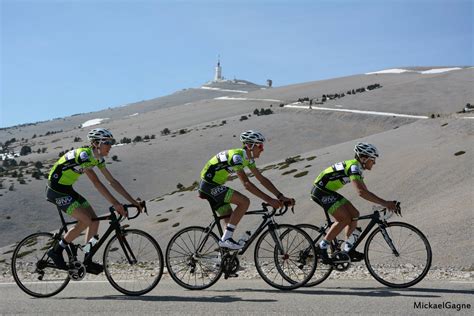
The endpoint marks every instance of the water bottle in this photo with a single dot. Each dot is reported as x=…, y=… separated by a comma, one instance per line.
x=352, y=239
x=244, y=237
x=87, y=247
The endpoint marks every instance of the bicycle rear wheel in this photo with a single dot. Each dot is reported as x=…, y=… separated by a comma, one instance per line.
x=34, y=272
x=408, y=266
x=193, y=258
x=285, y=257
x=136, y=266
x=322, y=271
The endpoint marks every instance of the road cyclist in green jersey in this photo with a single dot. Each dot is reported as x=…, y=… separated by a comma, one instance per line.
x=345, y=214
x=65, y=172
x=216, y=172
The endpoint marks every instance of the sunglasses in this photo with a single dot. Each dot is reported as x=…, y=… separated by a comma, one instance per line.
x=259, y=146
x=107, y=142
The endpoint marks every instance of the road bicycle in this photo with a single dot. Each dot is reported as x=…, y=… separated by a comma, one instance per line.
x=195, y=260
x=396, y=254
x=132, y=259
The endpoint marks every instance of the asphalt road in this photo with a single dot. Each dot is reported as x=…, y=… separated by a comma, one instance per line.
x=244, y=297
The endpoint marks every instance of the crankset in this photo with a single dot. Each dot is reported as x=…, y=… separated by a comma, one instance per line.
x=77, y=270
x=230, y=265
x=341, y=260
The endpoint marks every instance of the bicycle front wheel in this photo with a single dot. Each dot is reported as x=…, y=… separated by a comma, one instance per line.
x=193, y=258
x=285, y=257
x=322, y=271
x=398, y=256
x=133, y=262
x=34, y=272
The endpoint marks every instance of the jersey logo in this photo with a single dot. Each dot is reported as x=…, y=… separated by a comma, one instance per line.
x=70, y=155
x=218, y=190
x=222, y=157
x=237, y=159
x=355, y=169
x=338, y=166
x=84, y=156
x=63, y=201
x=328, y=199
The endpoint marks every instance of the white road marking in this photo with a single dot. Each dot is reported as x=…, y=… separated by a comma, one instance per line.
x=356, y=111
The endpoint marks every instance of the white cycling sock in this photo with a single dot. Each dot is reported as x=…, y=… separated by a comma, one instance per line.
x=229, y=231
x=324, y=244
x=347, y=246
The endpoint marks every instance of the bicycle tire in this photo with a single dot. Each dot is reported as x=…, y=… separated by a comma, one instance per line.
x=187, y=267
x=32, y=269
x=409, y=241
x=323, y=271
x=141, y=276
x=285, y=271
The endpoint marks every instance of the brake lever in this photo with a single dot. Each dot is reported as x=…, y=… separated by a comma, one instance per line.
x=398, y=210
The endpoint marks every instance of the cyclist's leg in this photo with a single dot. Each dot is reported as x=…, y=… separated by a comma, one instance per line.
x=335, y=205
x=242, y=202
x=84, y=220
x=93, y=227
x=342, y=218
x=354, y=213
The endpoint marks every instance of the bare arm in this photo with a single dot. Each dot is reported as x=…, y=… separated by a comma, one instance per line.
x=270, y=187
x=265, y=182
x=119, y=188
x=364, y=193
x=103, y=190
x=249, y=186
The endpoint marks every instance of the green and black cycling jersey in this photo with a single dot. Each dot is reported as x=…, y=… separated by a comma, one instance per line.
x=219, y=167
x=71, y=166
x=335, y=177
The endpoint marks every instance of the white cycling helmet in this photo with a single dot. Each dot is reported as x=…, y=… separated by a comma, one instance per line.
x=99, y=134
x=252, y=137
x=367, y=150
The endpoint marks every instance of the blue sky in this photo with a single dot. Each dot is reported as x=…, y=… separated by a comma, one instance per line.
x=60, y=58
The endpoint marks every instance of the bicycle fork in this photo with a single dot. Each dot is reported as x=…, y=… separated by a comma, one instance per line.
x=389, y=241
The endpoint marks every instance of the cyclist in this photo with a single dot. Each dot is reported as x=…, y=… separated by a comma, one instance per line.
x=324, y=193
x=215, y=174
x=59, y=191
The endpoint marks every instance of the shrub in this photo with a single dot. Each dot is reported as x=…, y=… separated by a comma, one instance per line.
x=77, y=139
x=37, y=174
x=152, y=136
x=25, y=150
x=182, y=131
x=114, y=158
x=165, y=131
x=146, y=137
x=43, y=150
x=38, y=164
x=23, y=163
x=243, y=118
x=137, y=139
x=180, y=186
x=256, y=112
x=126, y=140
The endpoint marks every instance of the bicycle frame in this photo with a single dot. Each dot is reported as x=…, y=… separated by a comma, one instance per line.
x=114, y=225
x=374, y=220
x=268, y=221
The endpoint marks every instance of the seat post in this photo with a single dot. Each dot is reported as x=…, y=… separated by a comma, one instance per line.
x=62, y=219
